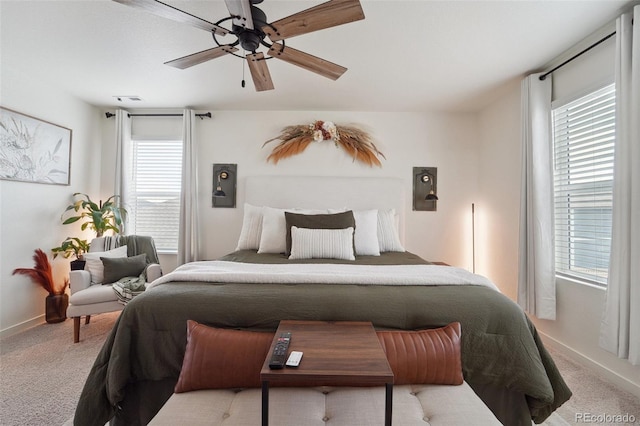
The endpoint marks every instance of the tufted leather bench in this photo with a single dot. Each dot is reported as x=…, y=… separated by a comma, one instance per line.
x=328, y=406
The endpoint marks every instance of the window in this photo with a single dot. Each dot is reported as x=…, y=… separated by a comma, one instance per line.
x=583, y=139
x=153, y=199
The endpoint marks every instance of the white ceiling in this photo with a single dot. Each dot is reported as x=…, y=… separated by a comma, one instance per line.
x=404, y=56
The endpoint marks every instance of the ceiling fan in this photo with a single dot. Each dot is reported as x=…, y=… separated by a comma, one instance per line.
x=250, y=27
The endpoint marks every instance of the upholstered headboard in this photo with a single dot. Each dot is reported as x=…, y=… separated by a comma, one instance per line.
x=322, y=192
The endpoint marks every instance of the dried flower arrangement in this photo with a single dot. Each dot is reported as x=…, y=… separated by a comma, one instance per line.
x=42, y=274
x=295, y=139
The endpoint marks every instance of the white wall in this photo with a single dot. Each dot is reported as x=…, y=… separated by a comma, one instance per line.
x=446, y=141
x=30, y=212
x=498, y=205
x=593, y=69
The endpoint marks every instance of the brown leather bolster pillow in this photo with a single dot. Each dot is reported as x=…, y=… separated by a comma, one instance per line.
x=218, y=358
x=425, y=356
x=221, y=359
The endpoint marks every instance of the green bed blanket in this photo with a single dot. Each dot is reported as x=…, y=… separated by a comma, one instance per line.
x=504, y=360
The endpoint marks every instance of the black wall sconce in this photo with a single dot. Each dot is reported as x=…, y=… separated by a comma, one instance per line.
x=425, y=188
x=224, y=185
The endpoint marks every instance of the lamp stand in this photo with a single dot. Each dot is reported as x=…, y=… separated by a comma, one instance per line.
x=473, y=237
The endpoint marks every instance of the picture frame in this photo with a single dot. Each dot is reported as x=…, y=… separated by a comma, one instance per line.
x=33, y=150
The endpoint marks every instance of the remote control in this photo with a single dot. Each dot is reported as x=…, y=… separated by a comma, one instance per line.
x=294, y=359
x=279, y=354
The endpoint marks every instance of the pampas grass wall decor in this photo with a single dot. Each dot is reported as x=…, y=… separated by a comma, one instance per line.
x=295, y=139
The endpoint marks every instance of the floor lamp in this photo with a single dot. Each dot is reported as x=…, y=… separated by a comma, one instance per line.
x=473, y=236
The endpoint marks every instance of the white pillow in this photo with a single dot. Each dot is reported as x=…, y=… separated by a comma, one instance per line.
x=94, y=263
x=273, y=238
x=388, y=238
x=251, y=228
x=366, y=235
x=307, y=243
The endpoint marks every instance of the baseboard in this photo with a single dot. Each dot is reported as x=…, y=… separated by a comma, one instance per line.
x=585, y=361
x=15, y=329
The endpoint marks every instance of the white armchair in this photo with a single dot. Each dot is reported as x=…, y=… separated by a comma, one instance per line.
x=89, y=298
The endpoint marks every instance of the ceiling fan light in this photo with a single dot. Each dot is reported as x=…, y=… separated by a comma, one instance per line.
x=249, y=40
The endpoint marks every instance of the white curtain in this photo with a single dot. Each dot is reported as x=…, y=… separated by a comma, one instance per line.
x=620, y=330
x=536, y=274
x=123, y=144
x=188, y=241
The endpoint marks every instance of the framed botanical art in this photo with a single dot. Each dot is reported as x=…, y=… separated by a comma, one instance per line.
x=33, y=150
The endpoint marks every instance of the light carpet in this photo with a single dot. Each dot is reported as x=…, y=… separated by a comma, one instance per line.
x=42, y=371
x=592, y=395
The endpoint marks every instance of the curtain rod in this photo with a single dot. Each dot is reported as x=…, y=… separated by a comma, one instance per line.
x=202, y=116
x=602, y=40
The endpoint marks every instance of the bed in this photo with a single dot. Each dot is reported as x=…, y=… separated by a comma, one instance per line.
x=503, y=358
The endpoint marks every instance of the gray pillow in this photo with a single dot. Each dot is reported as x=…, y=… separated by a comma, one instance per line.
x=318, y=221
x=120, y=267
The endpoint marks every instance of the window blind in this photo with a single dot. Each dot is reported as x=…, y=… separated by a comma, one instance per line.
x=583, y=139
x=154, y=192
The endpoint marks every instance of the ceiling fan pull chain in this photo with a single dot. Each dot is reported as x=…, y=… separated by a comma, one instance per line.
x=245, y=55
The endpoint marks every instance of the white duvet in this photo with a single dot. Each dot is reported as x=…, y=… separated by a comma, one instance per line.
x=322, y=273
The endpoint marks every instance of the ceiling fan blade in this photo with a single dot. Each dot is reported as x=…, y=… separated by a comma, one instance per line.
x=325, y=15
x=166, y=11
x=307, y=61
x=200, y=57
x=259, y=72
x=241, y=12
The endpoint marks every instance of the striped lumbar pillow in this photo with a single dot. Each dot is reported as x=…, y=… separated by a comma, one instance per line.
x=308, y=243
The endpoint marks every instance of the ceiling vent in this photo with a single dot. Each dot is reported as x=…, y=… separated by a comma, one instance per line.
x=121, y=98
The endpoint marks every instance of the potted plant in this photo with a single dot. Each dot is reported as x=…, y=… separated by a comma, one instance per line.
x=57, y=301
x=100, y=217
x=72, y=246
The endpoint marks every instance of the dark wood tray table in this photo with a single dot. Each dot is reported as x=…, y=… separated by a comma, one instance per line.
x=340, y=353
